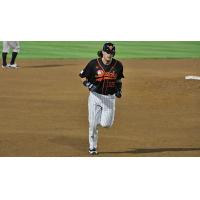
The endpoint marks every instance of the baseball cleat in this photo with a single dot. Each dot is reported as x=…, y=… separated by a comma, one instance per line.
x=93, y=151
x=5, y=66
x=13, y=65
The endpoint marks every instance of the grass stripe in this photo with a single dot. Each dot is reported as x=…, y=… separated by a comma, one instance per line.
x=125, y=49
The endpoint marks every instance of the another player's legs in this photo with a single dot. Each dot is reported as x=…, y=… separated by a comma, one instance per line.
x=4, y=54
x=4, y=57
x=16, y=48
x=12, y=62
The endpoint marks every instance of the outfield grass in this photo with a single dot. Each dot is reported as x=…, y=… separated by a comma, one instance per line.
x=77, y=49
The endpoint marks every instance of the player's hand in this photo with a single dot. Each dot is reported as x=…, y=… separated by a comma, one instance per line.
x=90, y=86
x=118, y=94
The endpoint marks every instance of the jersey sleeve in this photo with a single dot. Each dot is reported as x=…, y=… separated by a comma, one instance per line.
x=120, y=75
x=87, y=71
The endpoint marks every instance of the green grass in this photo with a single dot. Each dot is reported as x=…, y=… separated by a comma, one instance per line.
x=126, y=49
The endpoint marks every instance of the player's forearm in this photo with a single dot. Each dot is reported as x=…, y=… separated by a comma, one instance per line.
x=119, y=84
x=118, y=92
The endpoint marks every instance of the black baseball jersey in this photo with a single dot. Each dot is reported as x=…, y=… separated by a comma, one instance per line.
x=103, y=76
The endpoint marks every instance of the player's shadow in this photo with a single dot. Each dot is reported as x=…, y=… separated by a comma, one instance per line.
x=150, y=150
x=44, y=66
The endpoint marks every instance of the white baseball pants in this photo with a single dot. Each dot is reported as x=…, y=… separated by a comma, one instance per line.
x=11, y=44
x=101, y=109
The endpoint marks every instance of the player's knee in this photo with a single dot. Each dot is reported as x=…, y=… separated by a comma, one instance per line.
x=106, y=125
x=16, y=50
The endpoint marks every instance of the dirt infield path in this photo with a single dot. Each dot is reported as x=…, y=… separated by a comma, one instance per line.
x=43, y=110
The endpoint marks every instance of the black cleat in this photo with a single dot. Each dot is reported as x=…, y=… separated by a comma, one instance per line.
x=93, y=151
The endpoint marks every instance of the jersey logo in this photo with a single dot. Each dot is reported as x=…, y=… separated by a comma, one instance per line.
x=101, y=75
x=100, y=72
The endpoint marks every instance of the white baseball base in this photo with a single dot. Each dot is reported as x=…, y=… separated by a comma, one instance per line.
x=193, y=77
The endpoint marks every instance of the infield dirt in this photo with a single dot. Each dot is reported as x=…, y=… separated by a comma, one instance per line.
x=44, y=110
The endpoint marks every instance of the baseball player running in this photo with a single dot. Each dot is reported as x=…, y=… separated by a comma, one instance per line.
x=15, y=46
x=102, y=76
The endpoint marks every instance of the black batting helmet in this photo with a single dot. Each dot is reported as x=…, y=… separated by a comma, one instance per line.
x=109, y=48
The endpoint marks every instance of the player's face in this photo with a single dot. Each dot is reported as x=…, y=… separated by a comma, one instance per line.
x=108, y=55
